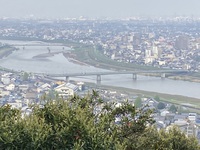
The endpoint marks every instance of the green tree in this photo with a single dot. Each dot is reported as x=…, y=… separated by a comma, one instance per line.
x=173, y=108
x=25, y=76
x=157, y=98
x=176, y=140
x=138, y=102
x=79, y=123
x=161, y=105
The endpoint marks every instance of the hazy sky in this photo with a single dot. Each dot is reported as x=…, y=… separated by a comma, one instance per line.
x=97, y=8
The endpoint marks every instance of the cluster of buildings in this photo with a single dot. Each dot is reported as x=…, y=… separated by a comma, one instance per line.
x=165, y=118
x=21, y=90
x=171, y=44
x=162, y=43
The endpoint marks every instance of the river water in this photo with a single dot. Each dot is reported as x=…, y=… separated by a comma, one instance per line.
x=24, y=59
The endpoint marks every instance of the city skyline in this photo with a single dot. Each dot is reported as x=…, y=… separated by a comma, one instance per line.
x=97, y=9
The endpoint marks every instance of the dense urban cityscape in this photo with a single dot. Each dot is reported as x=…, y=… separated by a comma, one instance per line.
x=154, y=43
x=163, y=43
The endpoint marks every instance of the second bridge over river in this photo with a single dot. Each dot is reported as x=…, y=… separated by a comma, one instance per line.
x=133, y=73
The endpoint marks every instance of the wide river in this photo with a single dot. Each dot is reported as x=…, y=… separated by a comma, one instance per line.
x=25, y=59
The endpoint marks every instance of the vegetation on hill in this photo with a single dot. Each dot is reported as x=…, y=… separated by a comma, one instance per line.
x=87, y=123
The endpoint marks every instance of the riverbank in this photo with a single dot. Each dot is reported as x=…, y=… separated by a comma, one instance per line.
x=89, y=55
x=192, y=104
x=92, y=56
x=185, y=78
x=70, y=57
x=5, y=51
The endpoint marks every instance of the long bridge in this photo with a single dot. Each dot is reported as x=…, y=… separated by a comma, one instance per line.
x=134, y=73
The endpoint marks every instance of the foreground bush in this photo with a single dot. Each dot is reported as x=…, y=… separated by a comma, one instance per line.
x=87, y=123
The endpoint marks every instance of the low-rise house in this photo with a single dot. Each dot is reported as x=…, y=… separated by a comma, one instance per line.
x=10, y=87
x=164, y=112
x=23, y=87
x=181, y=122
x=190, y=129
x=31, y=95
x=66, y=89
x=44, y=87
x=80, y=86
x=182, y=116
x=192, y=117
x=2, y=85
x=5, y=80
x=4, y=93
x=160, y=121
x=151, y=103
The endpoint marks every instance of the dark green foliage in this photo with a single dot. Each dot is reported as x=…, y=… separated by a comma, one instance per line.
x=138, y=102
x=25, y=76
x=173, y=108
x=157, y=98
x=176, y=140
x=73, y=124
x=161, y=105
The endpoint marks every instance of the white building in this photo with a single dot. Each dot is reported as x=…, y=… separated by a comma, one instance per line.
x=192, y=116
x=44, y=87
x=66, y=89
x=10, y=87
x=5, y=80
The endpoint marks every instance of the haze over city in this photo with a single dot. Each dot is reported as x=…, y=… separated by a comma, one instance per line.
x=97, y=74
x=96, y=8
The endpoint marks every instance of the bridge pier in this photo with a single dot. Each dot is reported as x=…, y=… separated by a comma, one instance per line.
x=67, y=79
x=134, y=76
x=162, y=75
x=98, y=78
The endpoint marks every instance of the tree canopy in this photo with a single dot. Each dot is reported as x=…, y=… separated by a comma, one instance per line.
x=87, y=123
x=173, y=108
x=138, y=102
x=157, y=98
x=161, y=105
